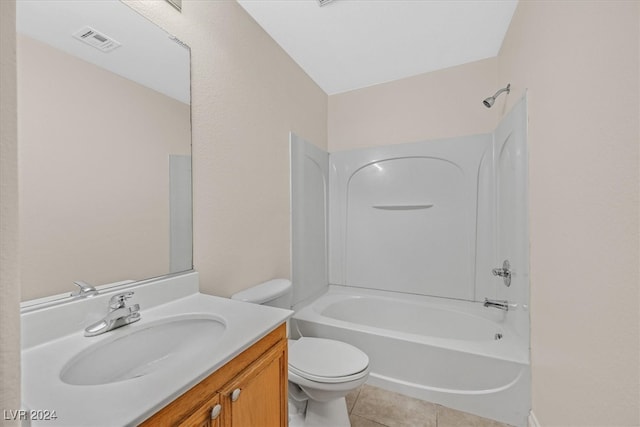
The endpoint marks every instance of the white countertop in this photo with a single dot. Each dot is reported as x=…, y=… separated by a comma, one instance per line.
x=131, y=401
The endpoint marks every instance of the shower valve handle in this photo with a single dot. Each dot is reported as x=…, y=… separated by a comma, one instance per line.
x=501, y=272
x=504, y=272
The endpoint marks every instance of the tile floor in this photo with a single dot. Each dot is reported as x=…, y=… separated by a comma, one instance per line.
x=370, y=406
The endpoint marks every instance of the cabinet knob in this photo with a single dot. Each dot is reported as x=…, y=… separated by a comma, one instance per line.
x=235, y=394
x=215, y=411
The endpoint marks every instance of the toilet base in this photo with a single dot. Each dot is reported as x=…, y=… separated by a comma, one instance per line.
x=320, y=414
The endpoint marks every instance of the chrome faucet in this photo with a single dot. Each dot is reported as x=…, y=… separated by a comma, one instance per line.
x=84, y=290
x=502, y=304
x=119, y=314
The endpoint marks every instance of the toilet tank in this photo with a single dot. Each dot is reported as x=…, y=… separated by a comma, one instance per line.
x=275, y=293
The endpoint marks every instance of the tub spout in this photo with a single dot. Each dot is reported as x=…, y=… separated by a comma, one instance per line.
x=497, y=303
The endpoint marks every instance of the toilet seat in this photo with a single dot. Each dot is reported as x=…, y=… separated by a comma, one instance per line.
x=327, y=361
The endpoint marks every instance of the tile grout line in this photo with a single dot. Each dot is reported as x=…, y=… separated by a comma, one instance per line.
x=355, y=402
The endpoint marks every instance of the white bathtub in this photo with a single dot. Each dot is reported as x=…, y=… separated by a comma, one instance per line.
x=440, y=350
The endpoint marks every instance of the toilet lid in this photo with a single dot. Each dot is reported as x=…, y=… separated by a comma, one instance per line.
x=317, y=358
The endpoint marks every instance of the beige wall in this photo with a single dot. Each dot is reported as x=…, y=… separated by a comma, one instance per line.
x=440, y=104
x=247, y=95
x=579, y=62
x=94, y=172
x=9, y=272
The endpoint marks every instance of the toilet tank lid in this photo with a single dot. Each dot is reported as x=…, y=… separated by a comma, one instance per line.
x=264, y=292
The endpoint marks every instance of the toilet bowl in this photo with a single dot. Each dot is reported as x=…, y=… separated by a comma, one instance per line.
x=321, y=371
x=326, y=369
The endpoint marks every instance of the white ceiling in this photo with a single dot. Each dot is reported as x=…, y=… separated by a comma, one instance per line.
x=351, y=44
x=147, y=54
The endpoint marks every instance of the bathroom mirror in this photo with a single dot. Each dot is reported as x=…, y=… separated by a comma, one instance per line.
x=104, y=144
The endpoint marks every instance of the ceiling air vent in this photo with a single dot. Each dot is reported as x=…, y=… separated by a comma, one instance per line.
x=323, y=2
x=96, y=39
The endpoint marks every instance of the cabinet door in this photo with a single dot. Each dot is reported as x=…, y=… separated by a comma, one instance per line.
x=258, y=396
x=208, y=414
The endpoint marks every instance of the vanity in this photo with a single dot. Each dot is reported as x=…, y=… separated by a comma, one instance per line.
x=192, y=359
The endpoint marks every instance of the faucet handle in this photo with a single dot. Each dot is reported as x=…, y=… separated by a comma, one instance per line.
x=119, y=300
x=504, y=272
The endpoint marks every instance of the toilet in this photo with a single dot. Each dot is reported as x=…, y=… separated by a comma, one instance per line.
x=321, y=371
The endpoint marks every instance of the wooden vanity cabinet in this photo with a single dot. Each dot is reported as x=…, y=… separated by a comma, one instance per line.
x=249, y=391
x=246, y=399
x=206, y=415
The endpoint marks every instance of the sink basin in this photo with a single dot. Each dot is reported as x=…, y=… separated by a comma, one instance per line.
x=145, y=349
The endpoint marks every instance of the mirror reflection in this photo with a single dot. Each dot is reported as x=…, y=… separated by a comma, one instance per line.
x=104, y=146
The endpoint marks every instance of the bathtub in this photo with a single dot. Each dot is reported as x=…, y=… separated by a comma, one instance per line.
x=455, y=353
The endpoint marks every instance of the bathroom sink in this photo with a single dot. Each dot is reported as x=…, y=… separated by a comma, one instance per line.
x=135, y=351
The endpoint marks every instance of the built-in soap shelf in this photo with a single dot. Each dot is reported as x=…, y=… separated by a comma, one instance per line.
x=402, y=207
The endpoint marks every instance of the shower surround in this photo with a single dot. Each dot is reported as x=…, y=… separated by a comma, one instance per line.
x=407, y=236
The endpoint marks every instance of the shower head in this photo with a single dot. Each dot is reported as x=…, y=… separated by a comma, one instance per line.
x=489, y=101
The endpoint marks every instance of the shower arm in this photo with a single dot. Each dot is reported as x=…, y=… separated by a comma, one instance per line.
x=504, y=89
